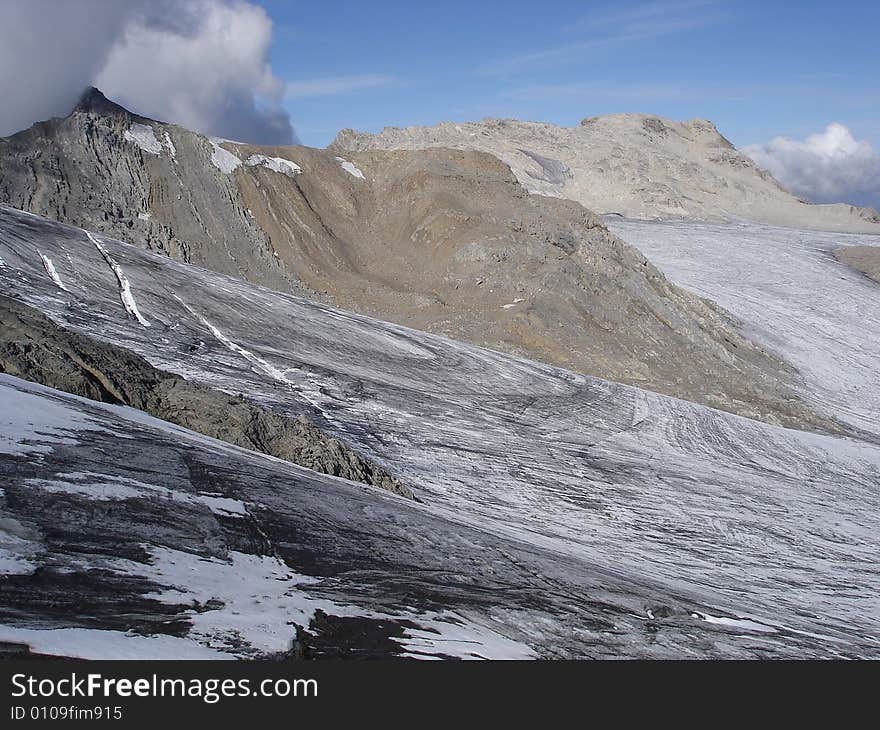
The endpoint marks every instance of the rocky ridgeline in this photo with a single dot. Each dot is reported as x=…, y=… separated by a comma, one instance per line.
x=635, y=165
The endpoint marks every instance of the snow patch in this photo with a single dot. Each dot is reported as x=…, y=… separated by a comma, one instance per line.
x=222, y=158
x=52, y=271
x=124, y=286
x=172, y=150
x=105, y=488
x=263, y=601
x=276, y=164
x=451, y=635
x=260, y=596
x=735, y=623
x=144, y=137
x=350, y=168
x=512, y=304
x=98, y=644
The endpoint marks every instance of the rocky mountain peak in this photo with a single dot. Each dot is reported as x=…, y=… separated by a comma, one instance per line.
x=93, y=101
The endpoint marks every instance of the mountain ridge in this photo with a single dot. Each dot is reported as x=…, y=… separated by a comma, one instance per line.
x=446, y=241
x=637, y=165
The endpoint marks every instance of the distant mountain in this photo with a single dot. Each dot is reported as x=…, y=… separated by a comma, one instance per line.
x=442, y=240
x=635, y=165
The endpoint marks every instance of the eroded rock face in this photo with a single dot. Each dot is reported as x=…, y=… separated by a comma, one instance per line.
x=635, y=165
x=153, y=184
x=34, y=348
x=446, y=241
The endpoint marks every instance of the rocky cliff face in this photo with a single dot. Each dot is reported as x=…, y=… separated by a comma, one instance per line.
x=443, y=240
x=635, y=165
x=150, y=183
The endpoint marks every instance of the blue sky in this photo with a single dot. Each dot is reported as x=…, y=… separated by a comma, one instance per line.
x=757, y=69
x=793, y=83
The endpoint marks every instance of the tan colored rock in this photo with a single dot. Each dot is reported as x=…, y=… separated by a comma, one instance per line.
x=864, y=258
x=635, y=165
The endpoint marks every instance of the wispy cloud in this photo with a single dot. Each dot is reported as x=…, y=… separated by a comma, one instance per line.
x=658, y=18
x=633, y=24
x=334, y=85
x=605, y=89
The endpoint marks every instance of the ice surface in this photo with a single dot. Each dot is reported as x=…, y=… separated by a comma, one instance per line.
x=603, y=485
x=23, y=431
x=792, y=295
x=19, y=547
x=102, y=644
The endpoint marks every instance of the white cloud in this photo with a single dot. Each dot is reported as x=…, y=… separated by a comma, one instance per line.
x=830, y=166
x=200, y=63
x=333, y=85
x=49, y=52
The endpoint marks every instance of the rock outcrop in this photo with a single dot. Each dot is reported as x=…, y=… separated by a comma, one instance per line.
x=864, y=258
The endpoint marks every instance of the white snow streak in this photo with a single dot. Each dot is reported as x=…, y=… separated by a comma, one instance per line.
x=222, y=158
x=172, y=150
x=260, y=364
x=144, y=137
x=276, y=164
x=451, y=635
x=735, y=623
x=99, y=644
x=52, y=271
x=103, y=488
x=124, y=286
x=350, y=168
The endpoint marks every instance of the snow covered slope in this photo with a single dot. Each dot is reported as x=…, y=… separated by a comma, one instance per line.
x=792, y=295
x=562, y=515
x=636, y=165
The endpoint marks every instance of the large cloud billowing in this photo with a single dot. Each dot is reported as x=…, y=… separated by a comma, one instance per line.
x=199, y=63
x=829, y=167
